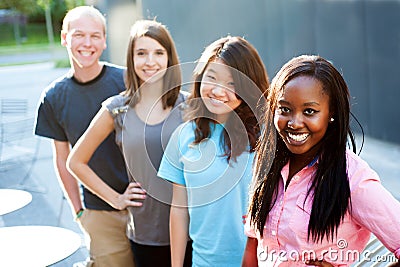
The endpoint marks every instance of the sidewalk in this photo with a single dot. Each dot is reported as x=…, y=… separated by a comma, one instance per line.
x=48, y=206
x=34, y=56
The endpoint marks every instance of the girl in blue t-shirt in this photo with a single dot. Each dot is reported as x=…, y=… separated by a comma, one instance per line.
x=209, y=158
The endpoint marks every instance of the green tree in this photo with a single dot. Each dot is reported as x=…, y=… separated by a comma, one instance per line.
x=45, y=4
x=22, y=6
x=18, y=7
x=49, y=7
x=52, y=10
x=29, y=7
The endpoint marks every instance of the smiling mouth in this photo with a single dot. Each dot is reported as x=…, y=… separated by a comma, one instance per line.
x=298, y=137
x=151, y=72
x=217, y=101
x=86, y=53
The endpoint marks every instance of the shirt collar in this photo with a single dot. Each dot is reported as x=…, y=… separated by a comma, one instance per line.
x=315, y=160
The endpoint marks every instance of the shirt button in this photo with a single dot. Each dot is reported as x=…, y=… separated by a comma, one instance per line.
x=273, y=232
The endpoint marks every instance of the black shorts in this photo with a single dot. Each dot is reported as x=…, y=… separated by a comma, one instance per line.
x=160, y=256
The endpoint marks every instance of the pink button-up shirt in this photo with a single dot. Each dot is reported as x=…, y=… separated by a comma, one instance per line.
x=374, y=209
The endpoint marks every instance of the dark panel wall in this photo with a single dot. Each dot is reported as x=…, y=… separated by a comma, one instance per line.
x=340, y=30
x=360, y=37
x=383, y=48
x=195, y=24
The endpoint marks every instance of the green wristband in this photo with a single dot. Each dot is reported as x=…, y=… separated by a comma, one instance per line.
x=79, y=213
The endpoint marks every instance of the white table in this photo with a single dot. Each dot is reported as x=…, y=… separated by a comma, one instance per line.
x=13, y=199
x=36, y=246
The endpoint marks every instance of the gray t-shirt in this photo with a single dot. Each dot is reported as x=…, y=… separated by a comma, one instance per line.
x=143, y=147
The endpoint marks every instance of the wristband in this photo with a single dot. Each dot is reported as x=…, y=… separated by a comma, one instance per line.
x=79, y=213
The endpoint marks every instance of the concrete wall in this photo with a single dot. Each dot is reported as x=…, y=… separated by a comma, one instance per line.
x=360, y=37
x=120, y=15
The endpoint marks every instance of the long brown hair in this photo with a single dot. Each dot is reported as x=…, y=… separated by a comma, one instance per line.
x=251, y=82
x=172, y=77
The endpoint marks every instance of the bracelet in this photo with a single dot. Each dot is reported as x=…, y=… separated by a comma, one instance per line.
x=79, y=213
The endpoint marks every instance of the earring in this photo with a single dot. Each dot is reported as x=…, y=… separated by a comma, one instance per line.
x=332, y=119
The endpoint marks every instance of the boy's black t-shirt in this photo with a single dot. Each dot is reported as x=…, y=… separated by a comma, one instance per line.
x=65, y=110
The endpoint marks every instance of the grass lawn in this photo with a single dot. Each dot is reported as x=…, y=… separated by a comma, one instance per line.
x=32, y=34
x=26, y=48
x=36, y=41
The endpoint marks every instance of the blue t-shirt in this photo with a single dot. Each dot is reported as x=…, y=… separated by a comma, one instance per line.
x=217, y=194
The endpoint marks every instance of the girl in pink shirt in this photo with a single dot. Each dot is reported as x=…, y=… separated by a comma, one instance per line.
x=316, y=202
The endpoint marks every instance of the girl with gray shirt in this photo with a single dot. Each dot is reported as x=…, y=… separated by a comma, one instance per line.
x=143, y=118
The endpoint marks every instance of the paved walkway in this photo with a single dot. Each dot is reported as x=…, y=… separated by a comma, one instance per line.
x=34, y=56
x=48, y=206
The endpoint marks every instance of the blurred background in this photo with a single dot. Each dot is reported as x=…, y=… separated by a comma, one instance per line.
x=360, y=37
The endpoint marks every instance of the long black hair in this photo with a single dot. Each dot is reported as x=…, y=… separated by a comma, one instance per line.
x=329, y=189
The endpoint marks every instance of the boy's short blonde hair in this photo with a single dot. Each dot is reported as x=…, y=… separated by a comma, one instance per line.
x=83, y=11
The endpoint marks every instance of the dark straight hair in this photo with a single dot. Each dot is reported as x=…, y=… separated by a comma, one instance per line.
x=330, y=187
x=251, y=82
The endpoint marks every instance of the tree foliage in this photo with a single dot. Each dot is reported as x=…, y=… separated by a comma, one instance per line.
x=33, y=7
x=26, y=7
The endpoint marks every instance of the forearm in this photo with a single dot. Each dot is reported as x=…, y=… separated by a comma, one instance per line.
x=69, y=185
x=78, y=160
x=250, y=253
x=395, y=264
x=94, y=183
x=179, y=222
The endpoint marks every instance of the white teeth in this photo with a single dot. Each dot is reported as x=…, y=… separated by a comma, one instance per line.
x=216, y=101
x=150, y=72
x=86, y=54
x=298, y=137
